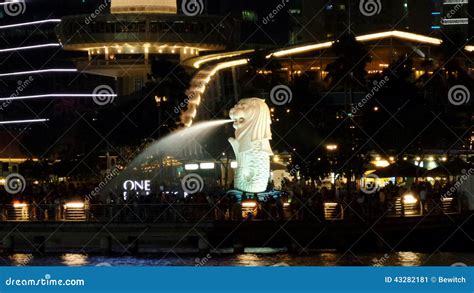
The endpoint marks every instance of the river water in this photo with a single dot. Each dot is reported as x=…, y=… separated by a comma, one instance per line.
x=258, y=257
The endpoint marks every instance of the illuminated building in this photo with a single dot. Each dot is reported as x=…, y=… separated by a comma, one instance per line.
x=121, y=44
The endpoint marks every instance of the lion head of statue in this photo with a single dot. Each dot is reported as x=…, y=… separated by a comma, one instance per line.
x=252, y=122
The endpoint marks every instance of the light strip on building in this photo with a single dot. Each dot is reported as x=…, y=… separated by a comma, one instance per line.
x=191, y=167
x=402, y=35
x=23, y=121
x=207, y=166
x=469, y=48
x=29, y=23
x=454, y=21
x=451, y=2
x=299, y=50
x=30, y=47
x=214, y=57
x=58, y=96
x=38, y=71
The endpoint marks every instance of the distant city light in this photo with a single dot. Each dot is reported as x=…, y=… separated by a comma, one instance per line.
x=409, y=199
x=74, y=205
x=331, y=147
x=191, y=167
x=207, y=166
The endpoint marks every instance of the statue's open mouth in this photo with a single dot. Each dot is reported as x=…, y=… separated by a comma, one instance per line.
x=238, y=121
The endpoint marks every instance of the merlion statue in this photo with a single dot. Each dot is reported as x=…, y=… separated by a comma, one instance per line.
x=251, y=144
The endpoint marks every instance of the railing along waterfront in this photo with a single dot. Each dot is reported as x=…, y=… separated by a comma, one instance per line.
x=193, y=213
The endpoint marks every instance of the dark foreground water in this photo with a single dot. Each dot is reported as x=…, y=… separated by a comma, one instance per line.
x=258, y=257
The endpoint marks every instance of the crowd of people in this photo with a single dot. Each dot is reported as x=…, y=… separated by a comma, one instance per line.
x=297, y=201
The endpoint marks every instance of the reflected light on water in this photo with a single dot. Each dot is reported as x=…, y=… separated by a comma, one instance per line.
x=409, y=259
x=74, y=259
x=21, y=259
x=251, y=260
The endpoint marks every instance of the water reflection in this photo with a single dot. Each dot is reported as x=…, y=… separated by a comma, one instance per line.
x=73, y=259
x=409, y=259
x=250, y=260
x=21, y=259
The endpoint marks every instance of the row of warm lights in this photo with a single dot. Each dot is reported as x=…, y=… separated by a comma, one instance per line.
x=214, y=57
x=430, y=159
x=363, y=38
x=379, y=162
x=146, y=49
x=69, y=205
